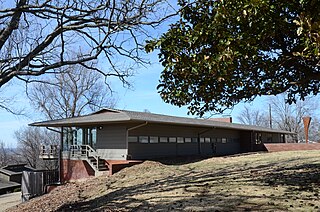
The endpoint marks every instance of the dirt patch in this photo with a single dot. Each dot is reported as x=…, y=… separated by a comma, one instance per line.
x=268, y=182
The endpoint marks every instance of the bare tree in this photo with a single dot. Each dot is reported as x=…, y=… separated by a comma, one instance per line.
x=74, y=92
x=5, y=158
x=314, y=130
x=30, y=140
x=8, y=156
x=284, y=116
x=289, y=117
x=41, y=36
x=252, y=116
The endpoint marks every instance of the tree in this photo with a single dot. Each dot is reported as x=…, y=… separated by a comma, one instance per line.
x=285, y=116
x=222, y=52
x=314, y=130
x=74, y=92
x=252, y=116
x=41, y=36
x=29, y=140
x=289, y=117
x=5, y=155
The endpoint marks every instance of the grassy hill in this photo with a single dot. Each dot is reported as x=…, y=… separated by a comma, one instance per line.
x=258, y=182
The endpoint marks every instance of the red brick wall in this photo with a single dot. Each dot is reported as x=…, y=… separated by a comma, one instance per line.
x=291, y=147
x=75, y=169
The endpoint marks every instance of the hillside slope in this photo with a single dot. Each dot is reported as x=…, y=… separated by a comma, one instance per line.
x=268, y=181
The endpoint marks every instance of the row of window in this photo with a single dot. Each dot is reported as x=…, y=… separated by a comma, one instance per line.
x=79, y=136
x=156, y=139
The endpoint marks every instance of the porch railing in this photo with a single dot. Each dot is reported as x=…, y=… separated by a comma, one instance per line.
x=86, y=151
x=49, y=152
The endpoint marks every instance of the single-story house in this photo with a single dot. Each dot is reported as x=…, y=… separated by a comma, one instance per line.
x=94, y=142
x=8, y=187
x=10, y=177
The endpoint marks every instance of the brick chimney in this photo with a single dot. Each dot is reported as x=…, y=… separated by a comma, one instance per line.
x=228, y=119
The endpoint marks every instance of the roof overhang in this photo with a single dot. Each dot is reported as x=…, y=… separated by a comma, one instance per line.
x=109, y=116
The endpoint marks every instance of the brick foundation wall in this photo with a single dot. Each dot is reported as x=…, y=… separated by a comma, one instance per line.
x=291, y=147
x=75, y=169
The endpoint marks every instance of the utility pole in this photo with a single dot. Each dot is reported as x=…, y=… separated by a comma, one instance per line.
x=270, y=116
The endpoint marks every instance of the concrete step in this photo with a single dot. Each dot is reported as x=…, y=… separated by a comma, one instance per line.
x=100, y=173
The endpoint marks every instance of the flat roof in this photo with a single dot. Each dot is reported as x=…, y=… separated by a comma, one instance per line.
x=14, y=169
x=108, y=116
x=8, y=184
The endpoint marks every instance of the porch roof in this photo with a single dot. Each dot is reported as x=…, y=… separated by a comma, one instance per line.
x=108, y=116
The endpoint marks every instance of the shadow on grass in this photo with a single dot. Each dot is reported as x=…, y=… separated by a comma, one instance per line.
x=304, y=177
x=195, y=190
x=190, y=191
x=181, y=160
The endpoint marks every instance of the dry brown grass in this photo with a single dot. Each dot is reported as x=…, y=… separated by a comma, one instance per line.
x=286, y=181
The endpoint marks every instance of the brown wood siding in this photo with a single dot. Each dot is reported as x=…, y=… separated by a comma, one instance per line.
x=112, y=137
x=146, y=151
x=245, y=141
x=165, y=130
x=112, y=142
x=187, y=149
x=276, y=138
x=143, y=151
x=228, y=148
x=221, y=133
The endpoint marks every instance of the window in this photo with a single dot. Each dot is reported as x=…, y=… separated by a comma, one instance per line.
x=187, y=140
x=207, y=140
x=143, y=139
x=163, y=139
x=213, y=140
x=79, y=136
x=172, y=139
x=258, y=138
x=194, y=140
x=201, y=140
x=180, y=140
x=132, y=139
x=218, y=140
x=154, y=139
x=224, y=140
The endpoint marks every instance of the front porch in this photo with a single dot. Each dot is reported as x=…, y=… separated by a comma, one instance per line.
x=82, y=161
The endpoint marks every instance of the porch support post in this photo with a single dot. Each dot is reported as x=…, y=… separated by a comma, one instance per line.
x=60, y=157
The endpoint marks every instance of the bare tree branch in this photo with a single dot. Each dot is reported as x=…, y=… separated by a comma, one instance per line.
x=74, y=92
x=37, y=37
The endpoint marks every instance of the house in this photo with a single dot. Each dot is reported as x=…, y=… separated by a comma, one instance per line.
x=8, y=187
x=111, y=139
x=10, y=177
